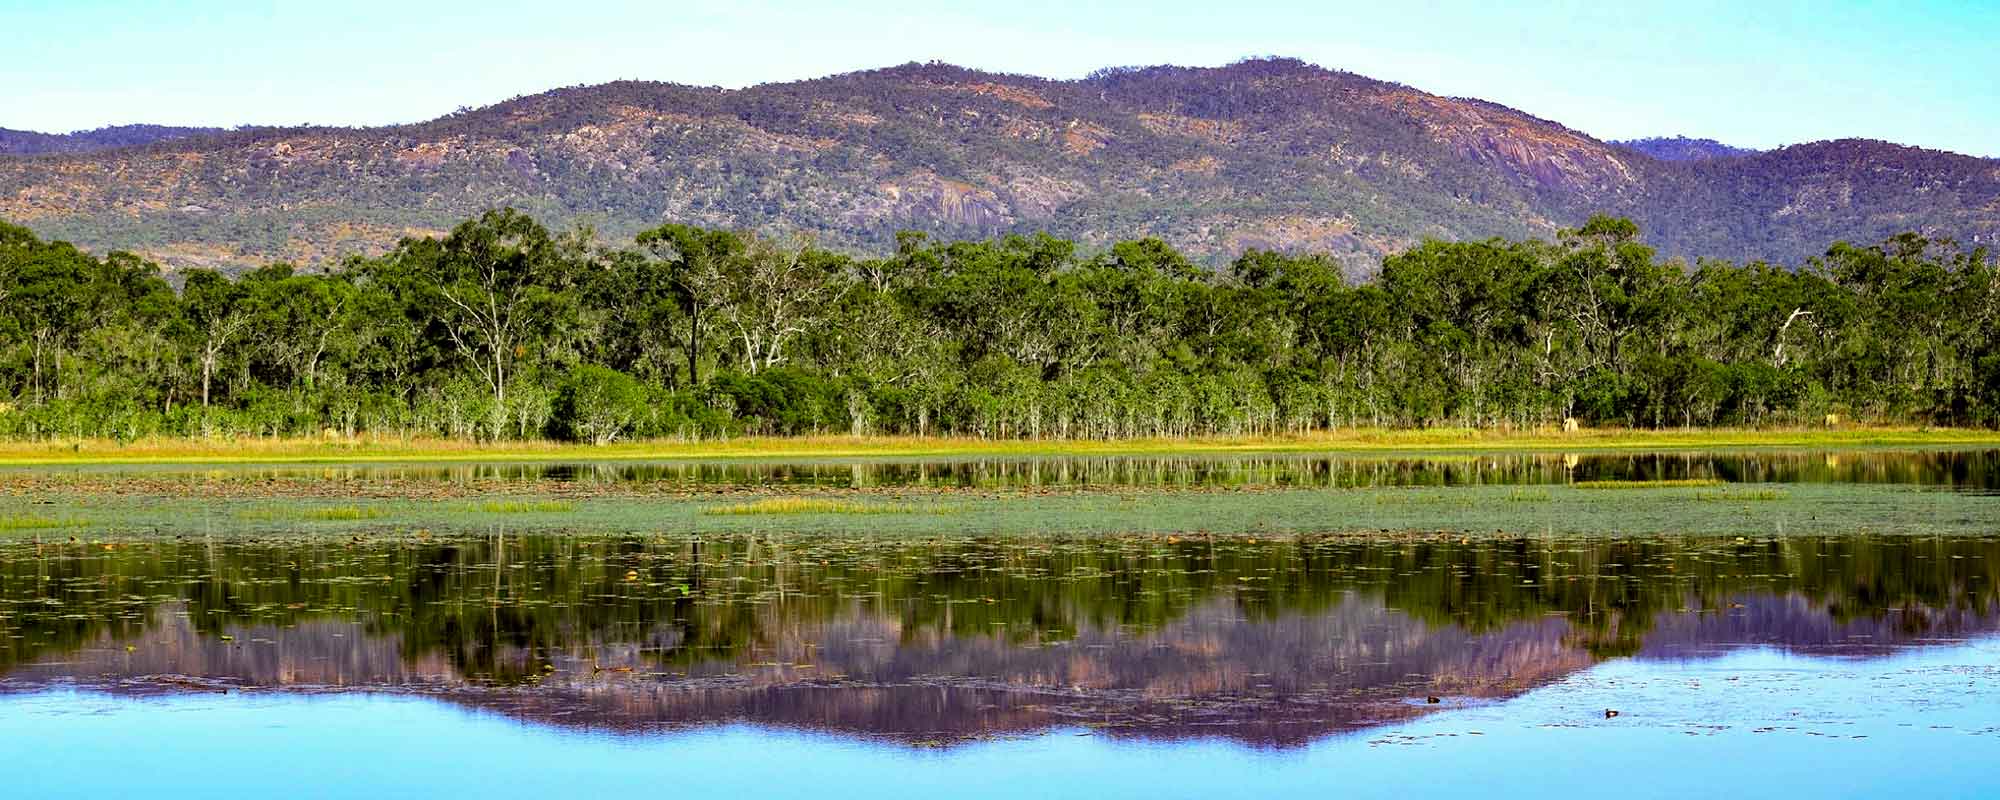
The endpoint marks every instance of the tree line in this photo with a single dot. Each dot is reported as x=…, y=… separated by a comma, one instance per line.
x=503, y=329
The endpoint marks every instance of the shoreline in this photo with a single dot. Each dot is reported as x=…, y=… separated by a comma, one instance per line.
x=395, y=449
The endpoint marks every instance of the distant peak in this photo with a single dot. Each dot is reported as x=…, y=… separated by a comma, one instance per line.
x=1682, y=148
x=1253, y=67
x=26, y=143
x=1277, y=65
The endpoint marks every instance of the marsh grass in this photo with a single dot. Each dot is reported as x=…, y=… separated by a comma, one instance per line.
x=36, y=522
x=524, y=507
x=819, y=505
x=350, y=513
x=1683, y=483
x=344, y=513
x=1528, y=496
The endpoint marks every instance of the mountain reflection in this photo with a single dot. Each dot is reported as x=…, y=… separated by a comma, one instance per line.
x=1269, y=640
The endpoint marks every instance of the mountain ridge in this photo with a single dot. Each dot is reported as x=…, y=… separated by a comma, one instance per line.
x=28, y=143
x=1264, y=153
x=1682, y=148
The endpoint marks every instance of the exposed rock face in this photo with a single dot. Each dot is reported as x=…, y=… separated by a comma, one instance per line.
x=1267, y=153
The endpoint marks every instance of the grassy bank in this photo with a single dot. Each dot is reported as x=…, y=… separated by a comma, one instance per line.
x=362, y=449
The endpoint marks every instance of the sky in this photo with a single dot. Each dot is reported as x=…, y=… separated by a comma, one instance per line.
x=1752, y=73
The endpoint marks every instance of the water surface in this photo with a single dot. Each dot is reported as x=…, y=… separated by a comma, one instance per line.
x=1266, y=640
x=533, y=658
x=1751, y=724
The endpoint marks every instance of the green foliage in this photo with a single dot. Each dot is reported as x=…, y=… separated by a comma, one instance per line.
x=598, y=405
x=503, y=329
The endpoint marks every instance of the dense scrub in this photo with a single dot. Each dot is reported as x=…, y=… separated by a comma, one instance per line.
x=504, y=330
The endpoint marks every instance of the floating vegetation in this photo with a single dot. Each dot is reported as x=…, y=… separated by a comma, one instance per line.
x=525, y=507
x=36, y=522
x=1683, y=483
x=1408, y=498
x=349, y=513
x=1745, y=495
x=819, y=505
x=1924, y=492
x=344, y=513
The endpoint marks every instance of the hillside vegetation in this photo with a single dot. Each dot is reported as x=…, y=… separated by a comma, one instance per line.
x=1270, y=154
x=29, y=143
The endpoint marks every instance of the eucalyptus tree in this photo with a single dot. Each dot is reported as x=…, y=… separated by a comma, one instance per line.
x=47, y=297
x=303, y=317
x=774, y=293
x=218, y=312
x=500, y=329
x=690, y=267
x=496, y=286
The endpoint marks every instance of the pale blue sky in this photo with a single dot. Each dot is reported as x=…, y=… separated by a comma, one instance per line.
x=1756, y=73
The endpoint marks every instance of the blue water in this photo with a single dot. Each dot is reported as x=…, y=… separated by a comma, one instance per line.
x=1923, y=722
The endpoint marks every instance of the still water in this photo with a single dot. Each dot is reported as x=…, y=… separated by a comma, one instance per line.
x=522, y=663
x=1755, y=738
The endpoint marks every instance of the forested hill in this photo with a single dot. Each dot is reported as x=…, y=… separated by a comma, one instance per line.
x=29, y=143
x=1270, y=153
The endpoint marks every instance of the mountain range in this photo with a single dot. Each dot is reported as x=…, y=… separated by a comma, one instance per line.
x=1264, y=153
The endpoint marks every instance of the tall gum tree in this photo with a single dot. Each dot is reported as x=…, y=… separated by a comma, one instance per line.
x=495, y=286
x=219, y=312
x=690, y=266
x=775, y=293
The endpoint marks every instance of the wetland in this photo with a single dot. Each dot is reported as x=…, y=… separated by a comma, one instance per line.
x=1115, y=625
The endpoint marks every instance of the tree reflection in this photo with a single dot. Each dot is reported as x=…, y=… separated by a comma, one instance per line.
x=1273, y=639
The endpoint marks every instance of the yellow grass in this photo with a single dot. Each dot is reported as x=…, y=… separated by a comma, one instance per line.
x=345, y=513
x=368, y=448
x=527, y=506
x=36, y=522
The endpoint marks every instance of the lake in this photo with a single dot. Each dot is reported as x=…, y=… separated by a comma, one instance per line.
x=623, y=638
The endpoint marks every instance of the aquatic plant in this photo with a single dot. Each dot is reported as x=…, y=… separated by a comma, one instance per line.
x=343, y=513
x=1683, y=483
x=815, y=505
x=32, y=522
x=1730, y=496
x=527, y=506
